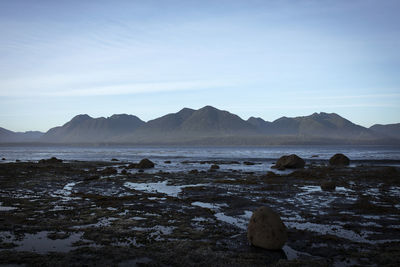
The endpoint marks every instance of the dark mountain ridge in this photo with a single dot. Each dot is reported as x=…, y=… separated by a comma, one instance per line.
x=83, y=128
x=211, y=126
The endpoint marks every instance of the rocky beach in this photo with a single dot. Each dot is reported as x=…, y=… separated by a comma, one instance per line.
x=105, y=213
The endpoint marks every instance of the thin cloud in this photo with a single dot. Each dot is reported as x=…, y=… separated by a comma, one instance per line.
x=313, y=107
x=123, y=89
x=137, y=88
x=352, y=96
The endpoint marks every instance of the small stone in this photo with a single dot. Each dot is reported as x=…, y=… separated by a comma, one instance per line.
x=328, y=186
x=214, y=167
x=109, y=171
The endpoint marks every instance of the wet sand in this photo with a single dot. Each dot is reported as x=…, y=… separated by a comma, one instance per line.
x=95, y=213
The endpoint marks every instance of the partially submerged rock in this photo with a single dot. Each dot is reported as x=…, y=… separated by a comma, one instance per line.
x=270, y=174
x=114, y=160
x=109, y=171
x=339, y=160
x=289, y=162
x=51, y=160
x=328, y=186
x=266, y=229
x=143, y=164
x=214, y=167
x=194, y=171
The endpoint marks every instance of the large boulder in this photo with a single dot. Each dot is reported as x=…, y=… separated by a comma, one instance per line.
x=339, y=160
x=289, y=162
x=266, y=229
x=143, y=164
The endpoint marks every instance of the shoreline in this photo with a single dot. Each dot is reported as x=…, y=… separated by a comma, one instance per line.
x=90, y=213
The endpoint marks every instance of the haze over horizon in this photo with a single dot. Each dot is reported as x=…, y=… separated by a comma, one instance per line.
x=253, y=58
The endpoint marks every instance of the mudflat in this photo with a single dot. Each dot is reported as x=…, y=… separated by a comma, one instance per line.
x=102, y=213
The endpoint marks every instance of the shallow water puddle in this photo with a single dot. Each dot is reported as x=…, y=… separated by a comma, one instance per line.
x=209, y=205
x=40, y=243
x=335, y=230
x=292, y=254
x=102, y=222
x=66, y=192
x=159, y=187
x=316, y=188
x=157, y=231
x=5, y=208
x=240, y=221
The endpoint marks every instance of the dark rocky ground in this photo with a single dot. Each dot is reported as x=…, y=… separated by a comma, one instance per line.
x=89, y=213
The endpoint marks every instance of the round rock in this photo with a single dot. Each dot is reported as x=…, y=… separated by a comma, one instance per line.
x=145, y=164
x=290, y=162
x=339, y=160
x=266, y=229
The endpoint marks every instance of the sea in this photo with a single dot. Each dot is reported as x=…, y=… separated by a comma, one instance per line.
x=187, y=158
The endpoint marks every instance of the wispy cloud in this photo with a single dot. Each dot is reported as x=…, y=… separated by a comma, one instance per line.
x=137, y=88
x=334, y=106
x=360, y=96
x=118, y=89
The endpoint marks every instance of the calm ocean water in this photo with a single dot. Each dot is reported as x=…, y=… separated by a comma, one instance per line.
x=263, y=156
x=28, y=153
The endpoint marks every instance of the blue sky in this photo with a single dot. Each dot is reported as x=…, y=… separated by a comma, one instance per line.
x=254, y=58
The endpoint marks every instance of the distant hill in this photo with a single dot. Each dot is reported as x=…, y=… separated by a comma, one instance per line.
x=191, y=126
x=85, y=129
x=390, y=130
x=210, y=126
x=317, y=125
x=7, y=136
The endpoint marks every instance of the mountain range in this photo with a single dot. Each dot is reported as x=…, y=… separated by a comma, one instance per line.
x=209, y=126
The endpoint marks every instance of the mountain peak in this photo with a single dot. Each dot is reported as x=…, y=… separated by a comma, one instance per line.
x=81, y=117
x=209, y=108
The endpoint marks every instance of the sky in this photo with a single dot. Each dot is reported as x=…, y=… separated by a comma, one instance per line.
x=148, y=58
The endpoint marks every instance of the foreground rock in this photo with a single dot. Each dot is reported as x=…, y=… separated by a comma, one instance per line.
x=266, y=229
x=51, y=160
x=339, y=160
x=328, y=186
x=143, y=164
x=289, y=162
